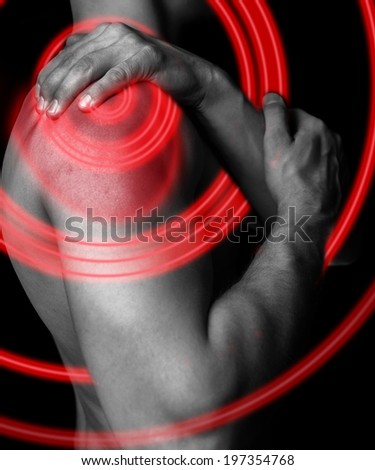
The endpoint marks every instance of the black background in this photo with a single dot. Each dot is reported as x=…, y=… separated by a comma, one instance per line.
x=328, y=65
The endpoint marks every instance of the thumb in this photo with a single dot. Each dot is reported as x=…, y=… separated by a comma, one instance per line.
x=276, y=119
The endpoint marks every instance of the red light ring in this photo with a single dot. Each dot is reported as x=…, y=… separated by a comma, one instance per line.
x=281, y=385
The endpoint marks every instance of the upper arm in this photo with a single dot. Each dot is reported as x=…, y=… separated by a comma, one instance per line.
x=142, y=330
x=158, y=350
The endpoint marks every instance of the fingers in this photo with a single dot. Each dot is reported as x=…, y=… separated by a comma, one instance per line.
x=70, y=49
x=52, y=76
x=55, y=91
x=74, y=38
x=141, y=66
x=80, y=76
x=309, y=127
x=276, y=117
x=314, y=132
x=114, y=53
x=103, y=63
x=306, y=123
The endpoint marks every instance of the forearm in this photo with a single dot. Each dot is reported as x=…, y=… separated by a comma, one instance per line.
x=232, y=124
x=236, y=128
x=266, y=312
x=282, y=279
x=146, y=12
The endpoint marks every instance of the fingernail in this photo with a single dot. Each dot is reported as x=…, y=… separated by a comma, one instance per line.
x=41, y=105
x=37, y=91
x=85, y=102
x=52, y=110
x=273, y=98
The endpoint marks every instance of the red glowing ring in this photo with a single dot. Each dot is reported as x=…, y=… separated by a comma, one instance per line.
x=237, y=36
x=82, y=27
x=153, y=134
x=293, y=376
x=39, y=369
x=164, y=138
x=236, y=410
x=177, y=250
x=138, y=147
x=245, y=63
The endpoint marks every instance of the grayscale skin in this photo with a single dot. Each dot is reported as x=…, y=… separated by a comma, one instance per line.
x=164, y=349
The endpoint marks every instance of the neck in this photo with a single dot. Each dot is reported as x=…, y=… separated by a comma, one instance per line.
x=143, y=12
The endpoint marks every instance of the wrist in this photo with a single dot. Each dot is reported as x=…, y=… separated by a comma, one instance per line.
x=305, y=226
x=215, y=85
x=298, y=251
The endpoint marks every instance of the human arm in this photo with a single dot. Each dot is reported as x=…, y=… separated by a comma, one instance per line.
x=159, y=350
x=112, y=54
x=233, y=126
x=145, y=12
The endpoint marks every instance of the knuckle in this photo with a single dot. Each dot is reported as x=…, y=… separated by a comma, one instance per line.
x=308, y=139
x=319, y=127
x=63, y=92
x=117, y=29
x=47, y=90
x=131, y=38
x=84, y=66
x=98, y=89
x=50, y=85
x=151, y=51
x=101, y=27
x=118, y=74
x=310, y=124
x=72, y=38
x=50, y=80
x=68, y=59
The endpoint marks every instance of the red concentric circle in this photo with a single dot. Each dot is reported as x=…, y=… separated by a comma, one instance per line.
x=271, y=64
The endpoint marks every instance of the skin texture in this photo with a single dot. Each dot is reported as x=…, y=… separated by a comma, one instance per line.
x=143, y=11
x=141, y=311
x=112, y=56
x=96, y=65
x=165, y=348
x=156, y=359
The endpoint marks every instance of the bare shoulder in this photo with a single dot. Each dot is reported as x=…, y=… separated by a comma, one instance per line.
x=139, y=145
x=18, y=181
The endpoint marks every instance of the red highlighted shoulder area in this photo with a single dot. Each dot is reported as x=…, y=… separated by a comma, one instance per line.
x=107, y=172
x=81, y=158
x=260, y=72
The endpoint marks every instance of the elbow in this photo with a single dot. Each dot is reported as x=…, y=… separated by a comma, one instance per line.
x=201, y=393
